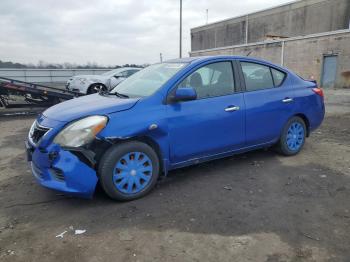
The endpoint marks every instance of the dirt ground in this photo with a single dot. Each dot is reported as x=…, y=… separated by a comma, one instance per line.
x=257, y=206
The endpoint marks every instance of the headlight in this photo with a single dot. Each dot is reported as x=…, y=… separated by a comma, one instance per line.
x=81, y=132
x=31, y=130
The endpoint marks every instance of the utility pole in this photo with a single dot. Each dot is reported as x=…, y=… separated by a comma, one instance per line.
x=161, y=57
x=206, y=21
x=180, y=51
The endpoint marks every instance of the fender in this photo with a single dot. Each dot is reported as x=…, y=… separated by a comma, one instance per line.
x=149, y=125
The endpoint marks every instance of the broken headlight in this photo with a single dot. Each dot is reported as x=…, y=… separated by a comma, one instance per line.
x=81, y=132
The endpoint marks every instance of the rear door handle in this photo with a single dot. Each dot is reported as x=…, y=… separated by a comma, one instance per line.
x=232, y=108
x=287, y=100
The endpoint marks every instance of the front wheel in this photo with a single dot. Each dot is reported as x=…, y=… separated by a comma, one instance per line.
x=293, y=137
x=129, y=170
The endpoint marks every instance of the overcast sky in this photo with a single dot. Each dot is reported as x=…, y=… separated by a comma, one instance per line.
x=108, y=32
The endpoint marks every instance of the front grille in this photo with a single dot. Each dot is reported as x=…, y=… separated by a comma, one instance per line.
x=37, y=132
x=57, y=174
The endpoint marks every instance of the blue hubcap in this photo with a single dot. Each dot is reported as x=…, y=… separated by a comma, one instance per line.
x=132, y=173
x=295, y=136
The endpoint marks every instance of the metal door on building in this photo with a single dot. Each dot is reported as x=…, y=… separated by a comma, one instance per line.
x=329, y=71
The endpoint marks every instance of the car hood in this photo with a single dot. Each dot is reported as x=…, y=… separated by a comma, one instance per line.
x=95, y=104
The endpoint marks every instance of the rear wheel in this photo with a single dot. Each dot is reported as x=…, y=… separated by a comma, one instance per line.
x=293, y=137
x=129, y=170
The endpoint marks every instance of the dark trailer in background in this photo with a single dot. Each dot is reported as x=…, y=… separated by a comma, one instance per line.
x=16, y=93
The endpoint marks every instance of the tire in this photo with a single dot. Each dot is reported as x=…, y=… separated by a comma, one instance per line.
x=293, y=137
x=128, y=171
x=95, y=88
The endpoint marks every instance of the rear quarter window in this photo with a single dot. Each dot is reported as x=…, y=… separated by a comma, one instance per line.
x=278, y=76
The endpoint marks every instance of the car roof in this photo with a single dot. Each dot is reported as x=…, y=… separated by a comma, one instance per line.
x=208, y=58
x=200, y=59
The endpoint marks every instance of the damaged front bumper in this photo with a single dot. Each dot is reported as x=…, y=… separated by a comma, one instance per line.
x=61, y=170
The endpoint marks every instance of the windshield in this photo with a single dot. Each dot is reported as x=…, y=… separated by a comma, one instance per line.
x=148, y=80
x=113, y=72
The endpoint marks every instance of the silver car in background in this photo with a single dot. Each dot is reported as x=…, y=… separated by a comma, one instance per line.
x=89, y=84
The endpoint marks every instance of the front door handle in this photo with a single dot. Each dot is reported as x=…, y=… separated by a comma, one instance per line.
x=232, y=108
x=287, y=100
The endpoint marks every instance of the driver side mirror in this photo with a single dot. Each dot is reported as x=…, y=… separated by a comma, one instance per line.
x=184, y=94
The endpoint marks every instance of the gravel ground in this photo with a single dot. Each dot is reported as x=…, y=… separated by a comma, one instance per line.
x=257, y=206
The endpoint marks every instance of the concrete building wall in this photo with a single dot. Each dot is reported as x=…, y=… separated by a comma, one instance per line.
x=295, y=19
x=303, y=55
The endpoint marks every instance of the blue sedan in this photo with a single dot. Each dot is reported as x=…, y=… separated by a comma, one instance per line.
x=167, y=116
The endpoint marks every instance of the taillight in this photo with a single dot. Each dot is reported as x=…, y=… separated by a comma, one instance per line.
x=318, y=91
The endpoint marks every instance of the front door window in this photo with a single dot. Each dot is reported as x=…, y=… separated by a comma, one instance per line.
x=211, y=80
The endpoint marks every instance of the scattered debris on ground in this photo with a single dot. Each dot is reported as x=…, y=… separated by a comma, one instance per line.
x=61, y=235
x=79, y=231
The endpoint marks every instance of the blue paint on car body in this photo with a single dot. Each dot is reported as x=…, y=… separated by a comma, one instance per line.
x=65, y=173
x=186, y=133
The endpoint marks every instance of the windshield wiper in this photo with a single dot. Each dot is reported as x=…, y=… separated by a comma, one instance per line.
x=104, y=92
x=119, y=95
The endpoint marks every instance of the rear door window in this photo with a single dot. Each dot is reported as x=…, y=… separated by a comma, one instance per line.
x=256, y=76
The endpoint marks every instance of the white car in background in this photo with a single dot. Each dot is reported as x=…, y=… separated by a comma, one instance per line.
x=89, y=84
